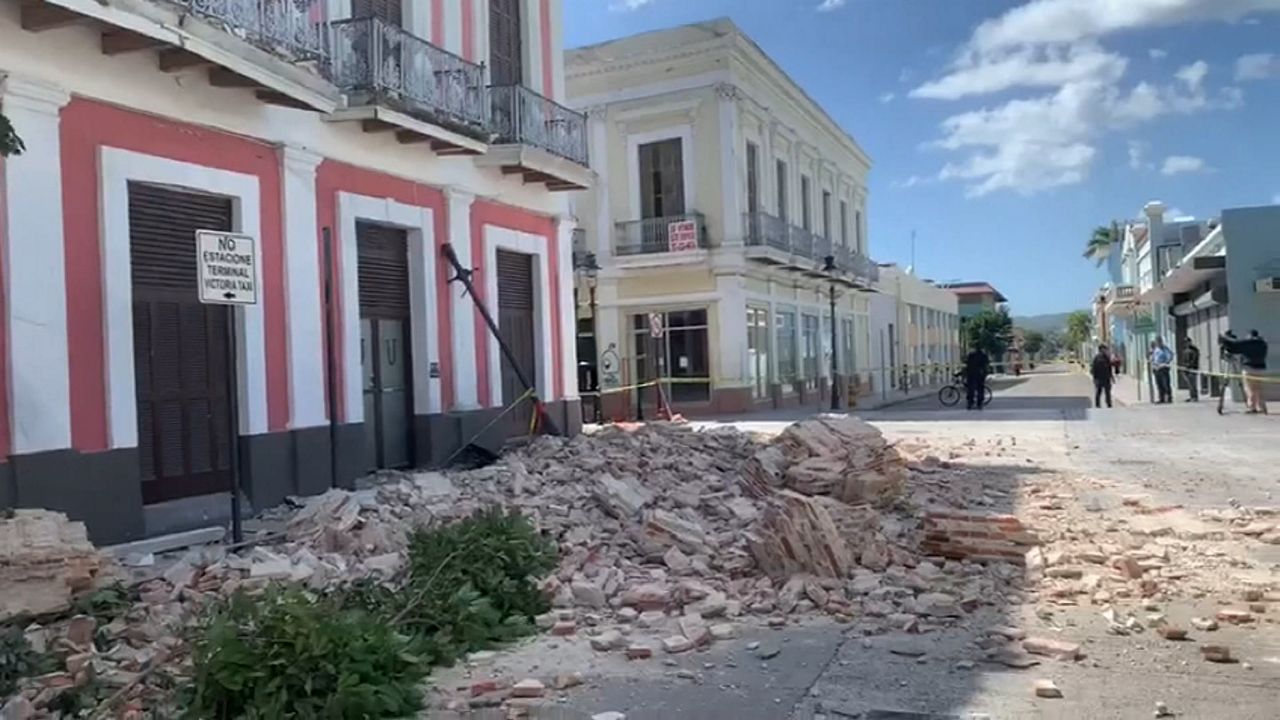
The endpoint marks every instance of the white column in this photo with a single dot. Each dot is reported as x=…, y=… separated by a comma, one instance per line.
x=598, y=120
x=35, y=287
x=461, y=307
x=302, y=277
x=556, y=91
x=731, y=313
x=568, y=315
x=609, y=335
x=731, y=201
x=452, y=26
x=531, y=27
x=773, y=338
x=416, y=16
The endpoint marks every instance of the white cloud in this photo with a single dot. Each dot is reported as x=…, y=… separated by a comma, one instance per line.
x=1275, y=199
x=887, y=97
x=1179, y=164
x=1258, y=66
x=1065, y=21
x=1050, y=66
x=828, y=5
x=1157, y=54
x=628, y=4
x=1138, y=155
x=1045, y=140
x=1193, y=75
x=912, y=181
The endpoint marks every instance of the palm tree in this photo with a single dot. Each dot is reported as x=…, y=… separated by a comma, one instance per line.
x=1100, y=244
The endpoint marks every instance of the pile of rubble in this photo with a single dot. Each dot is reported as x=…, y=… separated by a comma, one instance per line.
x=670, y=538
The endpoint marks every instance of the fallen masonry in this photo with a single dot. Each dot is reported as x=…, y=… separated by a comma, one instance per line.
x=671, y=539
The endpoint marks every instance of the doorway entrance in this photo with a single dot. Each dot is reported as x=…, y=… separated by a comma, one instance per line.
x=516, y=323
x=383, y=276
x=181, y=355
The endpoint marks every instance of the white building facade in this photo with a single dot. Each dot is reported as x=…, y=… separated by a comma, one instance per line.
x=351, y=142
x=729, y=206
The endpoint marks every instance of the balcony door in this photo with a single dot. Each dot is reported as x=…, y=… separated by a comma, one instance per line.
x=506, y=54
x=661, y=191
x=388, y=11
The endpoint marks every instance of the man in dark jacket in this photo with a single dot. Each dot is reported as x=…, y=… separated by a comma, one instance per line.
x=976, y=367
x=1253, y=359
x=1190, y=369
x=1101, y=371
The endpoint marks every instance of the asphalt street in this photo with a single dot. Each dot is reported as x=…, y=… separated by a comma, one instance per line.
x=1182, y=454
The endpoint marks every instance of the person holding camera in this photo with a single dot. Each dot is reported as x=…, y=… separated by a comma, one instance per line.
x=1252, y=353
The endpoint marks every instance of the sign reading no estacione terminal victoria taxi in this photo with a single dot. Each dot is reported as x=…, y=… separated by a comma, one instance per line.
x=228, y=268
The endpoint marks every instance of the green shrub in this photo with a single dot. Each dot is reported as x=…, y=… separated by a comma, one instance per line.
x=473, y=584
x=18, y=660
x=285, y=654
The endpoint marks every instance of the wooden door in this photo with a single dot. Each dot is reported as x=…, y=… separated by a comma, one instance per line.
x=181, y=354
x=506, y=59
x=516, y=323
x=385, y=359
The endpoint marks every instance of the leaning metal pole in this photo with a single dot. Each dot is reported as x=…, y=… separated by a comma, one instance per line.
x=463, y=275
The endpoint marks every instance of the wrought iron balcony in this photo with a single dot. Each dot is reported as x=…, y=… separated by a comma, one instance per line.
x=673, y=233
x=292, y=29
x=521, y=116
x=804, y=250
x=377, y=63
x=765, y=230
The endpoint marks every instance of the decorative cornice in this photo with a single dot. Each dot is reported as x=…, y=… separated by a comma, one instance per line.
x=728, y=91
x=33, y=95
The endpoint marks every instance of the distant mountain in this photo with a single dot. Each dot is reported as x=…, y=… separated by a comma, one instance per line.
x=1056, y=322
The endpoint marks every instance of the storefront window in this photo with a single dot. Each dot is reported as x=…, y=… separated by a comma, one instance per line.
x=787, y=370
x=758, y=351
x=683, y=360
x=810, y=360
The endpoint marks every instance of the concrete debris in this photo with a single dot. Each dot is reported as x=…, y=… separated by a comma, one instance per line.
x=528, y=688
x=1217, y=653
x=45, y=559
x=1047, y=689
x=1057, y=649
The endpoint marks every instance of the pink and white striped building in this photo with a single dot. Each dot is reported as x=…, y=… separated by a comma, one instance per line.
x=353, y=140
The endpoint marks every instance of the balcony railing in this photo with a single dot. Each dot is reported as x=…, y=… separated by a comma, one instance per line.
x=765, y=230
x=1168, y=257
x=523, y=117
x=293, y=29
x=673, y=233
x=1122, y=293
x=377, y=63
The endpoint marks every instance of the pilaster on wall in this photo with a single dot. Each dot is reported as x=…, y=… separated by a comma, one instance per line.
x=731, y=312
x=35, y=302
x=462, y=312
x=568, y=317
x=303, y=288
x=727, y=95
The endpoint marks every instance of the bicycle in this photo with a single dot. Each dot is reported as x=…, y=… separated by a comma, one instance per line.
x=950, y=395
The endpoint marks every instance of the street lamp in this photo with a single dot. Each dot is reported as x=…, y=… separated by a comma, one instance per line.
x=591, y=271
x=829, y=267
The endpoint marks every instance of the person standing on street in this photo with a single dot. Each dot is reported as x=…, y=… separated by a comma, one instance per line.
x=1102, y=371
x=1161, y=362
x=1253, y=359
x=1191, y=369
x=976, y=367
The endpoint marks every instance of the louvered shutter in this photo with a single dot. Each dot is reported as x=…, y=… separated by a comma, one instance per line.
x=388, y=11
x=383, y=271
x=506, y=62
x=180, y=346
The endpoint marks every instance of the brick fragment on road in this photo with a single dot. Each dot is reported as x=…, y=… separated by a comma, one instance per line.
x=676, y=645
x=1235, y=616
x=1204, y=624
x=639, y=652
x=1217, y=653
x=1057, y=649
x=528, y=688
x=1047, y=689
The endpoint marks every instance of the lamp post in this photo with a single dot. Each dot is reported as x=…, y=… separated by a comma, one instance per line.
x=591, y=271
x=829, y=267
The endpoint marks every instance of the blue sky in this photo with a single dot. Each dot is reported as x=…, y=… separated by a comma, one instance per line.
x=1001, y=132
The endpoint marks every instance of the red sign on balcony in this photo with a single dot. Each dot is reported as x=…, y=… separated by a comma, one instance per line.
x=682, y=235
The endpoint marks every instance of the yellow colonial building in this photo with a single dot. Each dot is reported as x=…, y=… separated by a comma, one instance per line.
x=728, y=219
